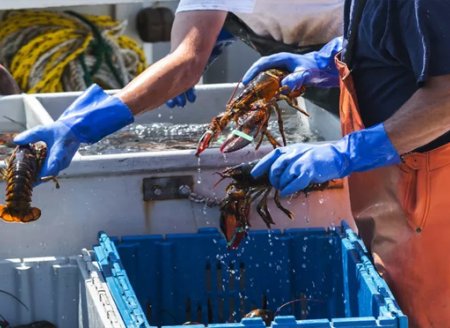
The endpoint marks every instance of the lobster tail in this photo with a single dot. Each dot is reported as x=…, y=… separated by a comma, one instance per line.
x=11, y=215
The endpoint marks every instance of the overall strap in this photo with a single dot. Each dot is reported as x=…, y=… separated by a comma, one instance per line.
x=352, y=31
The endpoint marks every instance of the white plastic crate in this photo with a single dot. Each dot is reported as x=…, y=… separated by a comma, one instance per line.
x=105, y=192
x=66, y=291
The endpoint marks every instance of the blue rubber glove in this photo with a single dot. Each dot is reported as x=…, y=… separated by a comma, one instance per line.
x=224, y=39
x=294, y=167
x=180, y=100
x=312, y=69
x=92, y=116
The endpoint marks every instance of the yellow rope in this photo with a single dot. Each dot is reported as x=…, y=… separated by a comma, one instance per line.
x=38, y=46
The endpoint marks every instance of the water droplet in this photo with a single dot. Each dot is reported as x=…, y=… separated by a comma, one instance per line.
x=199, y=177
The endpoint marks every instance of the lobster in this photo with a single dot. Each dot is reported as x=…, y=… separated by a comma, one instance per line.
x=250, y=111
x=22, y=169
x=266, y=315
x=241, y=193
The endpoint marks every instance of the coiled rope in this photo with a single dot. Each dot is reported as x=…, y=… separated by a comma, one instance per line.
x=48, y=51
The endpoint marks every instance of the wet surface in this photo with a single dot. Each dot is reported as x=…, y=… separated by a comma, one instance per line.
x=154, y=137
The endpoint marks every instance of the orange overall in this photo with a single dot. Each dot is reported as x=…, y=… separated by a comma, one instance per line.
x=403, y=215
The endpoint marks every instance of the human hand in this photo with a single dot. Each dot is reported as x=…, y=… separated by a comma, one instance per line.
x=92, y=116
x=61, y=143
x=313, y=69
x=180, y=100
x=295, y=167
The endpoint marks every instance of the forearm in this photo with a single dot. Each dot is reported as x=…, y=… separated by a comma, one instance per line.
x=193, y=37
x=423, y=118
x=160, y=82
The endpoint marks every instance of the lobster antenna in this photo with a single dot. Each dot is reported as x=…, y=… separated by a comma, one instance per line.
x=222, y=177
x=234, y=91
x=287, y=303
x=15, y=122
x=15, y=297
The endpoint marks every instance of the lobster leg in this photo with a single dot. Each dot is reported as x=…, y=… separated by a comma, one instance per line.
x=261, y=138
x=271, y=139
x=278, y=203
x=52, y=178
x=256, y=195
x=280, y=123
x=293, y=103
x=263, y=210
x=263, y=133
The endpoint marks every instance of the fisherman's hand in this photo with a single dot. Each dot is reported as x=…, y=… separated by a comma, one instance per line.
x=293, y=168
x=312, y=69
x=61, y=143
x=180, y=100
x=224, y=39
x=92, y=116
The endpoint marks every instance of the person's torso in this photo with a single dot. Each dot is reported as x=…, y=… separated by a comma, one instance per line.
x=391, y=57
x=296, y=22
x=300, y=22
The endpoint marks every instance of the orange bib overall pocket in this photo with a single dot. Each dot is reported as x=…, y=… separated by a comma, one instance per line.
x=424, y=182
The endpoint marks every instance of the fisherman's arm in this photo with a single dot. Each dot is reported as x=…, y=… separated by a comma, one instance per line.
x=96, y=114
x=194, y=34
x=423, y=118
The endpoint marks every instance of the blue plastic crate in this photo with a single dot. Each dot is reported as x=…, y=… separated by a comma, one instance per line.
x=325, y=274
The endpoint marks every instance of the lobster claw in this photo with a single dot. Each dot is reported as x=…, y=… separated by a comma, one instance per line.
x=204, y=142
x=236, y=140
x=233, y=226
x=248, y=128
x=238, y=236
x=233, y=232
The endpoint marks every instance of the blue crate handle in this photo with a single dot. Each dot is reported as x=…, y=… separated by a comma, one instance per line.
x=118, y=283
x=390, y=308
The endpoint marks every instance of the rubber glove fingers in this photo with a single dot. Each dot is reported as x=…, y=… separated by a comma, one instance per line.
x=282, y=60
x=295, y=178
x=263, y=166
x=36, y=134
x=275, y=162
x=190, y=95
x=59, y=157
x=171, y=103
x=180, y=100
x=296, y=80
x=61, y=143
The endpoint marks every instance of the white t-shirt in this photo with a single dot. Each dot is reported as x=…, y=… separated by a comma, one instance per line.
x=301, y=22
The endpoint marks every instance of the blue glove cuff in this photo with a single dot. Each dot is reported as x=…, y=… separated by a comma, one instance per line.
x=367, y=149
x=95, y=114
